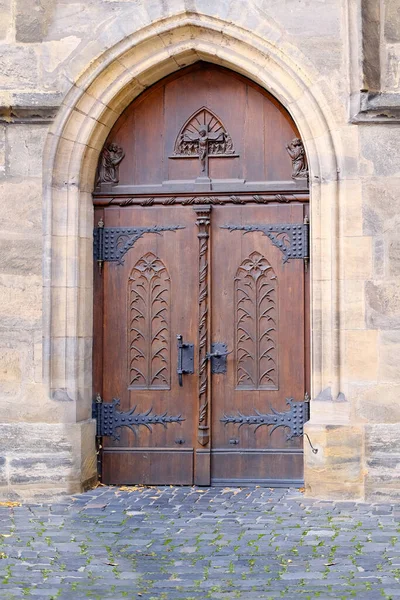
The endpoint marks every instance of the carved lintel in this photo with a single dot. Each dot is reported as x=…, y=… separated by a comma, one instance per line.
x=109, y=161
x=203, y=224
x=297, y=153
x=214, y=199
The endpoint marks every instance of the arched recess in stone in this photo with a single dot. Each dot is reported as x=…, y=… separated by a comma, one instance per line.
x=76, y=137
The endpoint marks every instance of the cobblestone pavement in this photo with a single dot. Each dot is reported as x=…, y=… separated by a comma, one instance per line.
x=173, y=543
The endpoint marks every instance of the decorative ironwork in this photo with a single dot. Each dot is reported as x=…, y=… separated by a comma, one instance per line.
x=149, y=325
x=290, y=239
x=112, y=243
x=185, y=359
x=292, y=419
x=108, y=167
x=109, y=419
x=256, y=324
x=299, y=159
x=218, y=354
x=203, y=135
x=203, y=224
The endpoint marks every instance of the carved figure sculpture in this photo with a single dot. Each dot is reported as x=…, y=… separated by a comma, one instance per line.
x=299, y=159
x=108, y=169
x=203, y=135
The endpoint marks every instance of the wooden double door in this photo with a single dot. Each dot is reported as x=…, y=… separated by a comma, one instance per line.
x=200, y=200
x=212, y=290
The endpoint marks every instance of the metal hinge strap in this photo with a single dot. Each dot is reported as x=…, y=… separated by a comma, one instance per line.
x=292, y=419
x=109, y=419
x=112, y=243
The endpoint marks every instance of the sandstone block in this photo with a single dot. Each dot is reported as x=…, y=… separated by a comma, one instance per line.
x=336, y=471
x=376, y=403
x=10, y=365
x=21, y=206
x=381, y=205
x=41, y=468
x=32, y=19
x=5, y=18
x=382, y=305
x=25, y=150
x=21, y=255
x=20, y=301
x=392, y=20
x=382, y=450
x=18, y=67
x=358, y=257
x=393, y=243
x=389, y=356
x=380, y=151
x=361, y=355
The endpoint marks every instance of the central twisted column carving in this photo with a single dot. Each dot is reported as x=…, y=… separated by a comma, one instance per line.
x=203, y=224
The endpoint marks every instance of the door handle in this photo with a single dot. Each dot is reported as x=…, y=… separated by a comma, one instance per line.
x=185, y=359
x=217, y=356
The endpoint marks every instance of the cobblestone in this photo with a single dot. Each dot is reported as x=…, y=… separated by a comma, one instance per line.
x=188, y=543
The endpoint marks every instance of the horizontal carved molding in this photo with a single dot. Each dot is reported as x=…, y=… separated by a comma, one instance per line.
x=201, y=199
x=376, y=107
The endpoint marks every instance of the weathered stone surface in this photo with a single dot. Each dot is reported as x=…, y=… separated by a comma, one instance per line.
x=393, y=242
x=381, y=205
x=40, y=468
x=379, y=150
x=10, y=365
x=392, y=19
x=38, y=437
x=20, y=301
x=360, y=366
x=376, y=403
x=21, y=207
x=21, y=256
x=5, y=18
x=32, y=19
x=18, y=67
x=25, y=150
x=336, y=470
x=382, y=449
x=389, y=356
x=382, y=305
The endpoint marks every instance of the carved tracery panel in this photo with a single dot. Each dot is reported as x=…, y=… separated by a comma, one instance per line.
x=256, y=324
x=149, y=361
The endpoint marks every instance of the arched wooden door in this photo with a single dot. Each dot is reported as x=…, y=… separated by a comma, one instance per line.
x=201, y=305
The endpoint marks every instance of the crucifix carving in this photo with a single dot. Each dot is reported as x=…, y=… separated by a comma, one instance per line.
x=203, y=135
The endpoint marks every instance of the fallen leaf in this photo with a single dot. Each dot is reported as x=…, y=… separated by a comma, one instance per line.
x=329, y=564
x=6, y=534
x=112, y=564
x=10, y=504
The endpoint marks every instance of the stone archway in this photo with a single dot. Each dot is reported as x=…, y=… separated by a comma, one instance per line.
x=74, y=142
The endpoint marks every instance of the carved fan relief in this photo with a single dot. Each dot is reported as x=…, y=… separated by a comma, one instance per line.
x=203, y=135
x=256, y=324
x=149, y=342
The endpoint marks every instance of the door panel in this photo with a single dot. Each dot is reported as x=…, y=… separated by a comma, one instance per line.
x=258, y=311
x=148, y=301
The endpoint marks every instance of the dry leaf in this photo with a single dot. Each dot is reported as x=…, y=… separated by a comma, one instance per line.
x=10, y=504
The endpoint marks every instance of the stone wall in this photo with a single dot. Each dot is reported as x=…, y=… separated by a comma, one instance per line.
x=67, y=70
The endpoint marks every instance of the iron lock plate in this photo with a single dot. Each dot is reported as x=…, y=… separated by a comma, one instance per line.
x=218, y=363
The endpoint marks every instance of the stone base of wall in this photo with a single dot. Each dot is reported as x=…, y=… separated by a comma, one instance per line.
x=335, y=472
x=40, y=461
